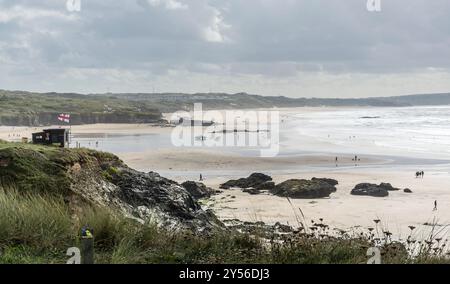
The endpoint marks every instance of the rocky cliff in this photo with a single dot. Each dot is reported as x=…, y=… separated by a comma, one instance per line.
x=102, y=179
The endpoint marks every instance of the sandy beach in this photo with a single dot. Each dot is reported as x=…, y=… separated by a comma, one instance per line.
x=345, y=211
x=341, y=210
x=15, y=133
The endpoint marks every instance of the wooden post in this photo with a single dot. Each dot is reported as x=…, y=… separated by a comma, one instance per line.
x=87, y=250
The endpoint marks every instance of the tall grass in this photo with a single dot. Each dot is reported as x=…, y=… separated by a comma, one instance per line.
x=32, y=219
x=39, y=229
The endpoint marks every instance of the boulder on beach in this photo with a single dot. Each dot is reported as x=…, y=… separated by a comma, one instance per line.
x=388, y=186
x=370, y=189
x=198, y=190
x=252, y=191
x=268, y=185
x=255, y=180
x=407, y=190
x=301, y=188
x=331, y=181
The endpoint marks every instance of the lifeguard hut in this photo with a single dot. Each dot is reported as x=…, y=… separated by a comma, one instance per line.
x=52, y=136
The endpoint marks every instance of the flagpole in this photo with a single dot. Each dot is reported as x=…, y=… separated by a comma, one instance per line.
x=70, y=130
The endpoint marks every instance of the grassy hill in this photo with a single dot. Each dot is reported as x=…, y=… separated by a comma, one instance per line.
x=169, y=102
x=33, y=109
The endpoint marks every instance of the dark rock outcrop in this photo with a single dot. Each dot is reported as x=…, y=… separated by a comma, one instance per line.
x=268, y=185
x=145, y=197
x=407, y=190
x=369, y=189
x=252, y=191
x=198, y=190
x=255, y=180
x=331, y=181
x=388, y=186
x=301, y=188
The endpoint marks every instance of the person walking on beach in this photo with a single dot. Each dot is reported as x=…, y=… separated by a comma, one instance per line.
x=435, y=205
x=201, y=177
x=336, y=161
x=422, y=173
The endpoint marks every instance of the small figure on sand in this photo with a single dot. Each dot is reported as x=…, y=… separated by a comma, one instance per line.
x=420, y=174
x=336, y=161
x=356, y=160
x=201, y=177
x=435, y=205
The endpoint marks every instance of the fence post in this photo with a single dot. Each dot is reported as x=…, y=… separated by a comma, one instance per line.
x=87, y=246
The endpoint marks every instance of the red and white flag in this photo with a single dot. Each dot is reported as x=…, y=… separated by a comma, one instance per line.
x=64, y=117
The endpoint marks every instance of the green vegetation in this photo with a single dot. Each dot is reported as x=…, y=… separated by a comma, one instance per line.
x=40, y=229
x=33, y=109
x=43, y=169
x=170, y=102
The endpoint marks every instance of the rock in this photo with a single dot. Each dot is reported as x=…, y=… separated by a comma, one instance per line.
x=166, y=201
x=301, y=188
x=198, y=190
x=369, y=189
x=254, y=181
x=144, y=197
x=331, y=181
x=388, y=187
x=252, y=191
x=268, y=185
x=407, y=190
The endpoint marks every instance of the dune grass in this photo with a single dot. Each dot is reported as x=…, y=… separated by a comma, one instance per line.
x=43, y=169
x=35, y=228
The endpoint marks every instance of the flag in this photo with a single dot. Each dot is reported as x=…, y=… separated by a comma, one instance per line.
x=64, y=117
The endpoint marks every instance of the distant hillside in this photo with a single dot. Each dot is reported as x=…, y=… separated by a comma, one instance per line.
x=35, y=109
x=167, y=102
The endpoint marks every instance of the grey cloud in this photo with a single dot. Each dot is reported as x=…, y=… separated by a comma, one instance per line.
x=271, y=38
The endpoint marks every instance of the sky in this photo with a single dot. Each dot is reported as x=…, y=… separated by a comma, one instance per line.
x=295, y=48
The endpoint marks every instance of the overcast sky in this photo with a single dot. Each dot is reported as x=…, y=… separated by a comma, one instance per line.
x=297, y=48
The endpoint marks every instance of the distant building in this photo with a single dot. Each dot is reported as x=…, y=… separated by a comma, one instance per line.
x=52, y=136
